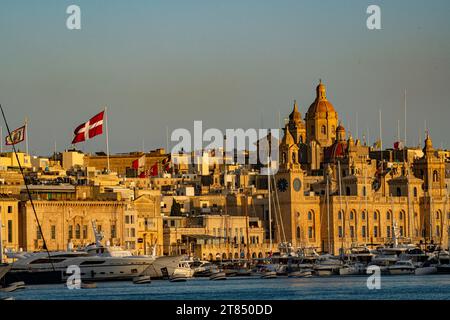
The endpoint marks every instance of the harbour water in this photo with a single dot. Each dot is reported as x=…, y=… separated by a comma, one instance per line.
x=430, y=287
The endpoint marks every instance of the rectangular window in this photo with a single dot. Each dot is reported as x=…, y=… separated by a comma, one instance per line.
x=99, y=228
x=85, y=232
x=132, y=232
x=53, y=232
x=113, y=231
x=401, y=231
x=70, y=232
x=10, y=209
x=388, y=231
x=127, y=219
x=352, y=232
x=438, y=231
x=10, y=231
x=38, y=234
x=363, y=231
x=375, y=231
x=340, y=231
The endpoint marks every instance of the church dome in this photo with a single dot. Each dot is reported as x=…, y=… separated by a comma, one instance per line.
x=321, y=104
x=337, y=150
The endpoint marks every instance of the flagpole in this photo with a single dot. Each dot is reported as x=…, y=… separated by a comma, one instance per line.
x=1, y=139
x=26, y=135
x=107, y=137
x=381, y=140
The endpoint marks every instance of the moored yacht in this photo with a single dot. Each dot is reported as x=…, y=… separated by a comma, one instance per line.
x=401, y=267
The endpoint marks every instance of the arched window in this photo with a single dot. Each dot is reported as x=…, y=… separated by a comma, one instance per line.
x=388, y=215
x=294, y=159
x=298, y=233
x=435, y=176
x=323, y=130
x=363, y=215
x=438, y=215
x=77, y=231
x=415, y=192
x=309, y=215
x=340, y=215
x=351, y=215
x=399, y=192
x=298, y=215
x=375, y=216
x=401, y=215
x=347, y=190
x=364, y=191
x=284, y=157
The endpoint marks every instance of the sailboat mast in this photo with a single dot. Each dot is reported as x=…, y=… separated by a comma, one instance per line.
x=270, y=210
x=1, y=239
x=328, y=214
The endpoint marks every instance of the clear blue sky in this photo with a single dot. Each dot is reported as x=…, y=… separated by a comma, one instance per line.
x=229, y=63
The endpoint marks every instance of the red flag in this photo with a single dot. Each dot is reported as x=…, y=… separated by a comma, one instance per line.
x=16, y=136
x=89, y=129
x=154, y=170
x=138, y=163
x=166, y=163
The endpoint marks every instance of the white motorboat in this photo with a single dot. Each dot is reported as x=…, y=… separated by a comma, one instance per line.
x=421, y=271
x=13, y=287
x=327, y=265
x=142, y=279
x=402, y=267
x=301, y=274
x=178, y=277
x=57, y=267
x=218, y=276
x=95, y=262
x=352, y=269
x=269, y=275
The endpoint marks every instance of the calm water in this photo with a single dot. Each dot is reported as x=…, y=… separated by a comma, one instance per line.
x=431, y=287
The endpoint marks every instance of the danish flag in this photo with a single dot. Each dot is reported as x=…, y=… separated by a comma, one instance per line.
x=89, y=129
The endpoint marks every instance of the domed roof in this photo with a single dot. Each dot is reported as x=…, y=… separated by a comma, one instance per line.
x=337, y=150
x=321, y=104
x=295, y=115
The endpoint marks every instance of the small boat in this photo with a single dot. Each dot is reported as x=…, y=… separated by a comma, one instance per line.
x=88, y=285
x=269, y=275
x=178, y=277
x=7, y=298
x=401, y=267
x=352, y=269
x=425, y=270
x=218, y=276
x=300, y=274
x=13, y=287
x=142, y=279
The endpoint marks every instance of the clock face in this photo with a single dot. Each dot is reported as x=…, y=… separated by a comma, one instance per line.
x=297, y=184
x=282, y=185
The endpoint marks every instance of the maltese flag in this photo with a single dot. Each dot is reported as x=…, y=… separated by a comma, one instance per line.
x=89, y=129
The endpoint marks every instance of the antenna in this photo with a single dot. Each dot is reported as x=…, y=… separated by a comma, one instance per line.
x=27, y=189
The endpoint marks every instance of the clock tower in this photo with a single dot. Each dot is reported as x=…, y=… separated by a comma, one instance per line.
x=290, y=192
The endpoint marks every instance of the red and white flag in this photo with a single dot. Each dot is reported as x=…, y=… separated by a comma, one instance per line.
x=138, y=163
x=16, y=136
x=89, y=129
